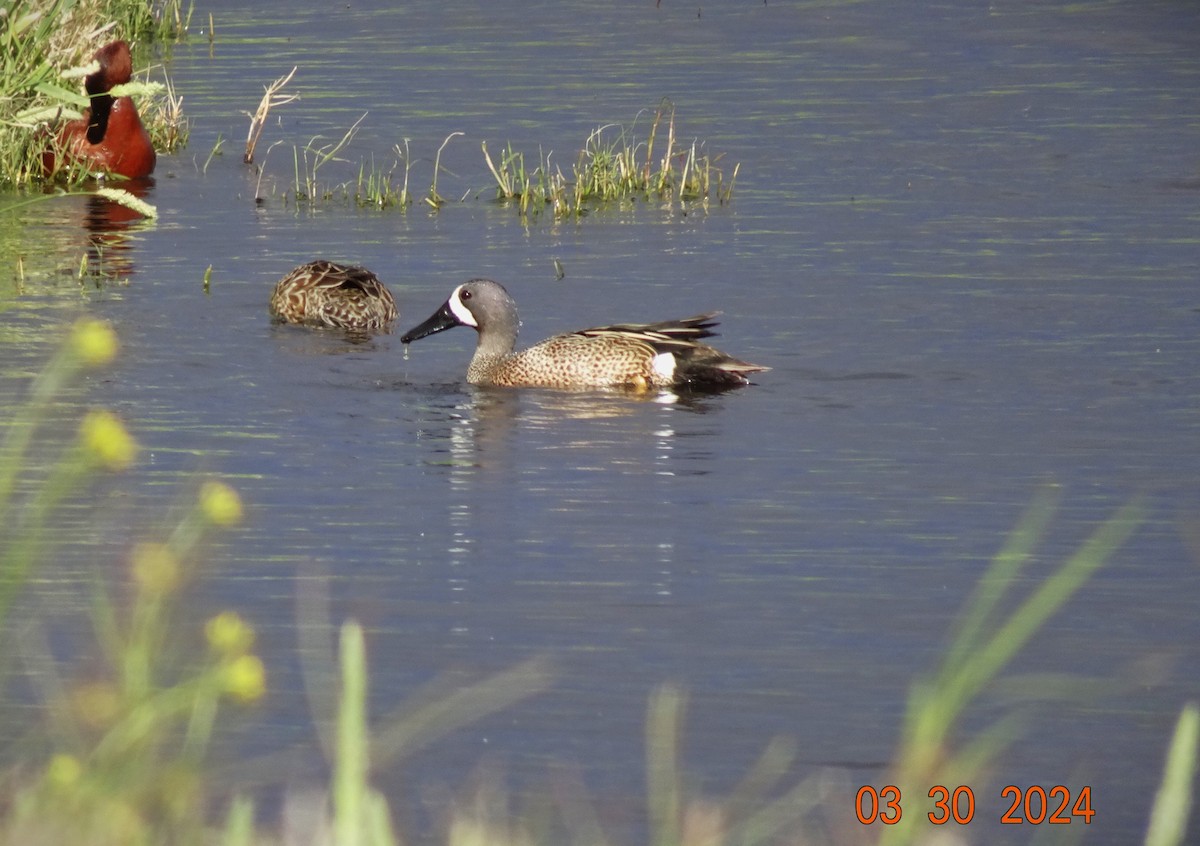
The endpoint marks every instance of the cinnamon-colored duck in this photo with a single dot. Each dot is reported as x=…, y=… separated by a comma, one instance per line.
x=110, y=136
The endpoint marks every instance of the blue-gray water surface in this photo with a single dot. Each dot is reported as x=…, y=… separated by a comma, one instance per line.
x=964, y=236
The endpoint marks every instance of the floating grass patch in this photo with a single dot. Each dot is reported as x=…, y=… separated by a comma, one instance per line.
x=381, y=188
x=614, y=164
x=311, y=158
x=374, y=187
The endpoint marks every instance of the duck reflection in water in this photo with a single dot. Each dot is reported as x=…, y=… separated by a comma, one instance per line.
x=109, y=225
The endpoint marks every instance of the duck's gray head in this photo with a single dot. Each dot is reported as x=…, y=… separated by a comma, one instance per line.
x=482, y=304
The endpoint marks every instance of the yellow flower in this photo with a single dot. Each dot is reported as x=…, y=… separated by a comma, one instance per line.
x=229, y=634
x=63, y=771
x=220, y=504
x=94, y=341
x=246, y=678
x=106, y=439
x=155, y=568
x=96, y=704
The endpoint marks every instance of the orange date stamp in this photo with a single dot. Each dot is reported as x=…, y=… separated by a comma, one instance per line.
x=1032, y=805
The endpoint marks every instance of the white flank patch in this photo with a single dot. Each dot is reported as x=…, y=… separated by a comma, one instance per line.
x=461, y=311
x=663, y=365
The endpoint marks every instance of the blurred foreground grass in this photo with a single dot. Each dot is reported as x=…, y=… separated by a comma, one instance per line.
x=124, y=758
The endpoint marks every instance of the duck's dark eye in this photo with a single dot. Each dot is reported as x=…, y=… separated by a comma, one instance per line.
x=465, y=295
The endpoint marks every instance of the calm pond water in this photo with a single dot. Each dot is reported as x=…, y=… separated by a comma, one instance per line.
x=966, y=238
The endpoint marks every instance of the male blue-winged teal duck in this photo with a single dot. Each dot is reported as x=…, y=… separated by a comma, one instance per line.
x=323, y=293
x=641, y=356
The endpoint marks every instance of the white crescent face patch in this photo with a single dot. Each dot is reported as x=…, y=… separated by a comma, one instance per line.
x=461, y=311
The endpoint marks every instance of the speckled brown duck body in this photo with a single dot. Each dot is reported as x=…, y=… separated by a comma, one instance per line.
x=633, y=355
x=323, y=293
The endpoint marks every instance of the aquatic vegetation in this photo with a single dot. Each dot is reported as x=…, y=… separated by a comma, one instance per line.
x=152, y=20
x=376, y=187
x=309, y=160
x=271, y=99
x=434, y=199
x=163, y=115
x=613, y=168
x=214, y=152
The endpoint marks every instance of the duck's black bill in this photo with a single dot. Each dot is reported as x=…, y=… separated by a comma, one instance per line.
x=440, y=321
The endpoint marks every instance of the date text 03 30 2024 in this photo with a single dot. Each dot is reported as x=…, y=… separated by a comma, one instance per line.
x=1032, y=805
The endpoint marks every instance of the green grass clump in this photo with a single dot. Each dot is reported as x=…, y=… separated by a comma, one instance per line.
x=374, y=187
x=151, y=20
x=613, y=165
x=44, y=50
x=308, y=161
x=378, y=188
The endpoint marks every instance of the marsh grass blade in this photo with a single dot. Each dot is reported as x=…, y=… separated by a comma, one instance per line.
x=1173, y=802
x=352, y=764
x=271, y=99
x=984, y=644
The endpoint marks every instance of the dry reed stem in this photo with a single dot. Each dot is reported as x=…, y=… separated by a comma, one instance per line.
x=270, y=99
